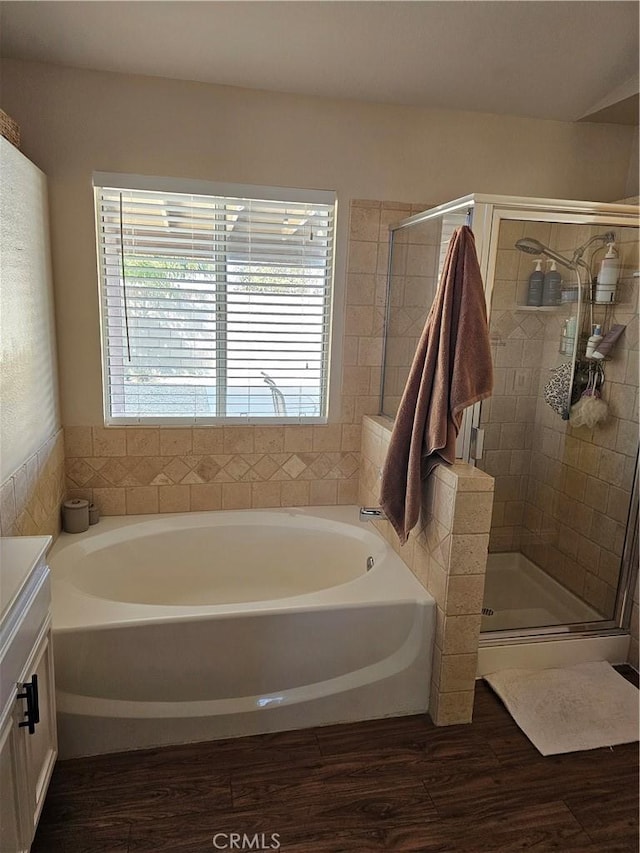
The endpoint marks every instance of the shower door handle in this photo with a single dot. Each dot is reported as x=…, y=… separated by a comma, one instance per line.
x=477, y=442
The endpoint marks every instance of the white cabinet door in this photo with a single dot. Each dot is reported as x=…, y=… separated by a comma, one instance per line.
x=41, y=746
x=15, y=829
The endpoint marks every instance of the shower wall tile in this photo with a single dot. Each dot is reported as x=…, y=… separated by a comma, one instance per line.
x=414, y=268
x=447, y=552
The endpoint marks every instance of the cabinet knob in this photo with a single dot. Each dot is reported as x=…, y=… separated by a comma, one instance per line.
x=32, y=713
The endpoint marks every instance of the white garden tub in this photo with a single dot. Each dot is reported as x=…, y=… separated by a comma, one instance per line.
x=177, y=628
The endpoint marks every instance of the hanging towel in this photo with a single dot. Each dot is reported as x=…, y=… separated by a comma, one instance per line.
x=451, y=370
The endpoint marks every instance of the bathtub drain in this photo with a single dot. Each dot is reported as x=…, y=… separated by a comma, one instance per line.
x=370, y=563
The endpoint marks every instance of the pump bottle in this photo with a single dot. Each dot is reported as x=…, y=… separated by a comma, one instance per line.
x=607, y=276
x=593, y=341
x=551, y=288
x=536, y=283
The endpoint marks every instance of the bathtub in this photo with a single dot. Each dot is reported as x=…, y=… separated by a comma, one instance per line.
x=189, y=627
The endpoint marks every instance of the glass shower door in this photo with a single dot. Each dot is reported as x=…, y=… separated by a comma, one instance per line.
x=562, y=492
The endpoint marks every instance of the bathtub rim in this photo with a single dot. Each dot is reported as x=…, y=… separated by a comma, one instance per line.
x=75, y=610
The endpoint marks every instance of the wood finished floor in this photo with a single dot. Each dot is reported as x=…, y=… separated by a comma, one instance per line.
x=396, y=784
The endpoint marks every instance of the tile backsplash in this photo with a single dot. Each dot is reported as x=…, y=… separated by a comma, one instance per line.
x=133, y=470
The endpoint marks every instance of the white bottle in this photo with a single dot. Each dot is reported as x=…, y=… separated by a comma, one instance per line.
x=568, y=336
x=593, y=341
x=608, y=276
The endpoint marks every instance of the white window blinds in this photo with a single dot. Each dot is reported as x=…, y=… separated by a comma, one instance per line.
x=214, y=306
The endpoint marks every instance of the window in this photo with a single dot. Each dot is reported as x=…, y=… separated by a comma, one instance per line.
x=215, y=304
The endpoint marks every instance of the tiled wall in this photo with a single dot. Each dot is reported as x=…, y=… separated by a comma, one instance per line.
x=580, y=482
x=562, y=494
x=418, y=252
x=635, y=627
x=130, y=470
x=147, y=470
x=447, y=552
x=508, y=416
x=30, y=499
x=413, y=281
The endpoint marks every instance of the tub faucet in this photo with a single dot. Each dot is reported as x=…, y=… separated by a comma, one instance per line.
x=371, y=513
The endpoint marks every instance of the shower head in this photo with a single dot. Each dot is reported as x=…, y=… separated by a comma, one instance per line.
x=535, y=247
x=531, y=246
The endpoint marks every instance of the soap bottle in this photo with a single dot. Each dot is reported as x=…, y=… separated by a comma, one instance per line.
x=605, y=291
x=593, y=341
x=563, y=338
x=536, y=282
x=551, y=288
x=569, y=336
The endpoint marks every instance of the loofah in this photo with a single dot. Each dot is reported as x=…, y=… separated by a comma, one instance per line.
x=594, y=411
x=576, y=418
x=590, y=409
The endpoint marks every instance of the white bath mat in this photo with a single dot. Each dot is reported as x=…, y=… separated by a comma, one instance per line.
x=585, y=706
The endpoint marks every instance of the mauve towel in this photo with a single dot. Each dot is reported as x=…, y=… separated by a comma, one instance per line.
x=451, y=370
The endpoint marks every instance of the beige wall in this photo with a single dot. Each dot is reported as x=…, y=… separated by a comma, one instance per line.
x=28, y=380
x=31, y=460
x=74, y=122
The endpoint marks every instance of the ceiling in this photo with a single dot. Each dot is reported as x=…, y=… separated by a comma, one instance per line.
x=563, y=59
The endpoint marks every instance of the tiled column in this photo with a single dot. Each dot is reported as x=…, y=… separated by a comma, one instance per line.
x=447, y=552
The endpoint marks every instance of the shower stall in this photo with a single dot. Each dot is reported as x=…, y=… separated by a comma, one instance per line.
x=563, y=544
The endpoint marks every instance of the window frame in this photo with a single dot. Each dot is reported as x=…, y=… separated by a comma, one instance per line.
x=106, y=180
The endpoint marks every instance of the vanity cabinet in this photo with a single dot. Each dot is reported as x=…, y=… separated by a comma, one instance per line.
x=28, y=743
x=13, y=792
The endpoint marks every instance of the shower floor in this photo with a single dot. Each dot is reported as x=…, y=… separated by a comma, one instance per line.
x=521, y=595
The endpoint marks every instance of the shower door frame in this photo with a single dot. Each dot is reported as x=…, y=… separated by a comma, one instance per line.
x=488, y=214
